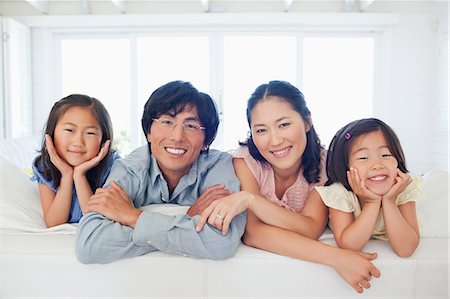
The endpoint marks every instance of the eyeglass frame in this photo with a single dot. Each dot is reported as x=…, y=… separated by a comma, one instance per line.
x=174, y=124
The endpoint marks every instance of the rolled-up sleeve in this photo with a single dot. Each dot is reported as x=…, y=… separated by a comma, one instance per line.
x=100, y=240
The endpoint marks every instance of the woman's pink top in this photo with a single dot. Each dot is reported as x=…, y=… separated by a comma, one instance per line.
x=295, y=196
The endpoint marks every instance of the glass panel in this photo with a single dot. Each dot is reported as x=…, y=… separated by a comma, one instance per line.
x=250, y=61
x=101, y=68
x=338, y=81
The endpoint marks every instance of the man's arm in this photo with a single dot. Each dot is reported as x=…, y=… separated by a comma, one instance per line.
x=100, y=240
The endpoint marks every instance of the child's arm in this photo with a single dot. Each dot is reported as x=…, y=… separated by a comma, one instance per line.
x=401, y=221
x=354, y=233
x=84, y=191
x=56, y=206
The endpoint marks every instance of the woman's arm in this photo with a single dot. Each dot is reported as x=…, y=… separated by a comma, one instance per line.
x=354, y=267
x=310, y=222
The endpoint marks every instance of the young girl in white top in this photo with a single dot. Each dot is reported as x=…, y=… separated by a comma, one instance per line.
x=369, y=192
x=75, y=157
x=278, y=167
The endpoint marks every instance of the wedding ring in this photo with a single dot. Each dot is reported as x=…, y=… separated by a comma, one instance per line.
x=219, y=217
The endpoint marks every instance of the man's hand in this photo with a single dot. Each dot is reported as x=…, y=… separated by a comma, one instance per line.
x=115, y=204
x=211, y=194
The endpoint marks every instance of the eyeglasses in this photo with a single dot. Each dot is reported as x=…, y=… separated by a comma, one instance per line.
x=165, y=123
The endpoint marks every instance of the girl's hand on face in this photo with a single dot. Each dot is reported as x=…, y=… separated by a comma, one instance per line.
x=360, y=189
x=220, y=213
x=59, y=163
x=89, y=164
x=401, y=182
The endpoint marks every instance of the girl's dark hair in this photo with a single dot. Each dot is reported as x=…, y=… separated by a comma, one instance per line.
x=96, y=174
x=174, y=97
x=293, y=96
x=337, y=159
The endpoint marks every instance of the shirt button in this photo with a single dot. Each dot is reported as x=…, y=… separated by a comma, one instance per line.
x=149, y=242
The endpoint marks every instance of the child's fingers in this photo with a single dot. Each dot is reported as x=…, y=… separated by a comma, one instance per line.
x=404, y=176
x=104, y=150
x=353, y=179
x=49, y=145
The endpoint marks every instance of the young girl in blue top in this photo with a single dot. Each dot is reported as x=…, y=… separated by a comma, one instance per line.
x=369, y=192
x=75, y=157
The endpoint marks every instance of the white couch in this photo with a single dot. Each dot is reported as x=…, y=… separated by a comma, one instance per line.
x=37, y=262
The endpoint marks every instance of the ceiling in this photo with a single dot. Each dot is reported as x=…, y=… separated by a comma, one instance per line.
x=93, y=7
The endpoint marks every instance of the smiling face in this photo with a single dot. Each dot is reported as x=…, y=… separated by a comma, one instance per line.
x=176, y=148
x=279, y=133
x=376, y=165
x=77, y=135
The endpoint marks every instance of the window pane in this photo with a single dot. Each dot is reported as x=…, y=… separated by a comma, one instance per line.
x=338, y=81
x=250, y=61
x=164, y=59
x=100, y=68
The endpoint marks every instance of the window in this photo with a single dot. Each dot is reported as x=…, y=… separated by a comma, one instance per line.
x=250, y=61
x=335, y=73
x=337, y=81
x=100, y=68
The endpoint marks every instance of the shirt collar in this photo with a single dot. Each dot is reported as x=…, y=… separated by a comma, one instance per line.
x=189, y=179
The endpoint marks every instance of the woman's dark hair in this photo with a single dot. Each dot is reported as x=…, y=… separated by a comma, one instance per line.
x=337, y=158
x=95, y=175
x=293, y=96
x=174, y=97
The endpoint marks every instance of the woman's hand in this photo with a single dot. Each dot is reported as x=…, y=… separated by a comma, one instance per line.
x=84, y=167
x=63, y=166
x=220, y=213
x=356, y=268
x=210, y=195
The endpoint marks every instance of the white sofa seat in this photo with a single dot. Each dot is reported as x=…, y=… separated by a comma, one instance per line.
x=44, y=266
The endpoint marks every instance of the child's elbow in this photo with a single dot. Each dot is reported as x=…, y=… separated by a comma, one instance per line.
x=407, y=251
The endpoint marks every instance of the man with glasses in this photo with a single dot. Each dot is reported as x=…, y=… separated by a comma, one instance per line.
x=176, y=166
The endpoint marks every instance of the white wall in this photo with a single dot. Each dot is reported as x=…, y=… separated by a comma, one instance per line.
x=417, y=101
x=440, y=132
